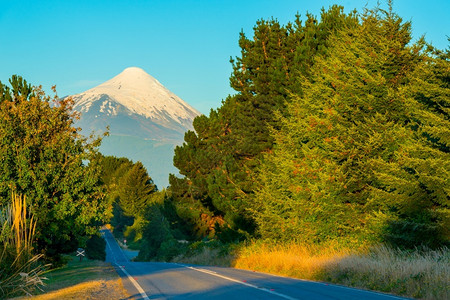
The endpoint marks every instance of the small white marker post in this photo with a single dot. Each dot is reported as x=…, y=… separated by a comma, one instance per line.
x=80, y=253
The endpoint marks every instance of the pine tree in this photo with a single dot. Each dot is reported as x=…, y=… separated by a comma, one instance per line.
x=354, y=156
x=135, y=190
x=219, y=161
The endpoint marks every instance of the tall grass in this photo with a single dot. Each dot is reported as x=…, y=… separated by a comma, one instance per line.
x=20, y=271
x=421, y=274
x=293, y=260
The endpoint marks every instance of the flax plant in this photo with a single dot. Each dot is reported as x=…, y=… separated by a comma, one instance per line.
x=20, y=271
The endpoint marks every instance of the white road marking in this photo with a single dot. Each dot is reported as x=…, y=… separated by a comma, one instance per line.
x=243, y=283
x=133, y=281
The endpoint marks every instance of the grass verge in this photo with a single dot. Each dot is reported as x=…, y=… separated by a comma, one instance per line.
x=88, y=279
x=422, y=274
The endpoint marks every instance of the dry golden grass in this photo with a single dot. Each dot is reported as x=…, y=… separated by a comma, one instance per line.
x=307, y=262
x=418, y=274
x=99, y=289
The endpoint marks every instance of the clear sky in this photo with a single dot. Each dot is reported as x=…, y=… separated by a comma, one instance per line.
x=185, y=44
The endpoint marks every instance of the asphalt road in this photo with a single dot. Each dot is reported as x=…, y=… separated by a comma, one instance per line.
x=151, y=280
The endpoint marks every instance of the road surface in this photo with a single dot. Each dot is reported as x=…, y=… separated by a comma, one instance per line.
x=152, y=280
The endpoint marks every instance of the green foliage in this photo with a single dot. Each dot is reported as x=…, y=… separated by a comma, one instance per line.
x=361, y=149
x=45, y=157
x=155, y=234
x=219, y=161
x=134, y=232
x=163, y=231
x=135, y=189
x=96, y=248
x=112, y=171
x=130, y=190
x=119, y=220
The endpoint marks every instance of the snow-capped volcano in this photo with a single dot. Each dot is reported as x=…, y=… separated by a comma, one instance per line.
x=146, y=121
x=130, y=97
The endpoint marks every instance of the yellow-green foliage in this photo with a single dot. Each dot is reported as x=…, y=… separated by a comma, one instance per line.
x=20, y=271
x=364, y=153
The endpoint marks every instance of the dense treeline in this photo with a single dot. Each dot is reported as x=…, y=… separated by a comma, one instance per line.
x=363, y=154
x=220, y=159
x=339, y=130
x=130, y=190
x=140, y=214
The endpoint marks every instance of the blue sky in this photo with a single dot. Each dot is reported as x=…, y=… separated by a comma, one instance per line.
x=185, y=44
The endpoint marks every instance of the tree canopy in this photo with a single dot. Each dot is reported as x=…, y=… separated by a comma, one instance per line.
x=219, y=161
x=44, y=157
x=339, y=129
x=363, y=154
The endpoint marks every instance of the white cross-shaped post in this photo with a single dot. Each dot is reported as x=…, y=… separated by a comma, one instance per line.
x=80, y=253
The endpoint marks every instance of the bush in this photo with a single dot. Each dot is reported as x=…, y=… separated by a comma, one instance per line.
x=119, y=220
x=169, y=249
x=95, y=248
x=407, y=234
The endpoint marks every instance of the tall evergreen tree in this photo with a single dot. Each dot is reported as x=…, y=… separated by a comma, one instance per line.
x=220, y=158
x=135, y=190
x=359, y=150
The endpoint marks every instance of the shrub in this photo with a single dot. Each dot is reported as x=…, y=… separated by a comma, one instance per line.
x=95, y=248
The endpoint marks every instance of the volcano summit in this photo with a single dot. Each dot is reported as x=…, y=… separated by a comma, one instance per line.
x=136, y=104
x=146, y=120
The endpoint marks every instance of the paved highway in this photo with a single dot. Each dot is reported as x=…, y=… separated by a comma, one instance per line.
x=151, y=280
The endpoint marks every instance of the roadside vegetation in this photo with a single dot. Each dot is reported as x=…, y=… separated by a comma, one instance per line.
x=330, y=162
x=51, y=197
x=20, y=269
x=86, y=279
x=421, y=274
x=418, y=273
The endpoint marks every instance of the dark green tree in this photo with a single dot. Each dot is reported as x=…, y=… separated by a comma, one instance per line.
x=96, y=248
x=163, y=230
x=112, y=171
x=219, y=160
x=135, y=190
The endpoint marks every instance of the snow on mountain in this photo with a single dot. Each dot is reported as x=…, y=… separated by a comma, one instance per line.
x=134, y=92
x=146, y=120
